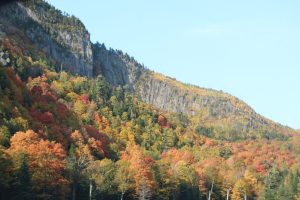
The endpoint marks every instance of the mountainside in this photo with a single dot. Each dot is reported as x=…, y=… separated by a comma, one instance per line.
x=80, y=121
x=66, y=44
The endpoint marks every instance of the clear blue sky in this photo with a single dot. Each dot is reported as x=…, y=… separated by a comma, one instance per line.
x=250, y=49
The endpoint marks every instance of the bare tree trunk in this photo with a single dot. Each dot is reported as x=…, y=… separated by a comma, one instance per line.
x=74, y=191
x=227, y=195
x=245, y=196
x=122, y=195
x=211, y=190
x=91, y=189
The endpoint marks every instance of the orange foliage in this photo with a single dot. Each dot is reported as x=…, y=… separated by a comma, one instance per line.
x=84, y=98
x=162, y=121
x=141, y=166
x=101, y=121
x=46, y=159
x=21, y=140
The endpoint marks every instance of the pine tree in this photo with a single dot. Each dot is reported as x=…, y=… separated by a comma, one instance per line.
x=272, y=183
x=24, y=181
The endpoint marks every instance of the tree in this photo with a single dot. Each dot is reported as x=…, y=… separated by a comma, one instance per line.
x=244, y=187
x=168, y=178
x=46, y=162
x=123, y=177
x=211, y=169
x=24, y=180
x=79, y=158
x=143, y=174
x=289, y=187
x=4, y=136
x=272, y=183
x=227, y=181
x=188, y=180
x=6, y=166
x=101, y=173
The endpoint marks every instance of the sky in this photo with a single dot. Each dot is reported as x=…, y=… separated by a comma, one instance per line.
x=250, y=49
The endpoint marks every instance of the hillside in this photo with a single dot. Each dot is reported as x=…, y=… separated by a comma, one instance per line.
x=80, y=121
x=66, y=44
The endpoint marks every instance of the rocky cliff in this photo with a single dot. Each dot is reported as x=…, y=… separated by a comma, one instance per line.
x=118, y=68
x=62, y=38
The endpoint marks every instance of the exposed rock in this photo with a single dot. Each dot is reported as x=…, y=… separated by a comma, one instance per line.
x=71, y=49
x=116, y=67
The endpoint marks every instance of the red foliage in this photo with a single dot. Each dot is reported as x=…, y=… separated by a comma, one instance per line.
x=48, y=97
x=94, y=133
x=97, y=147
x=43, y=93
x=61, y=109
x=57, y=133
x=45, y=86
x=36, y=90
x=259, y=167
x=84, y=98
x=46, y=117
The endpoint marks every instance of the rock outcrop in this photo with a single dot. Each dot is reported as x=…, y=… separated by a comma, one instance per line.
x=63, y=41
x=118, y=68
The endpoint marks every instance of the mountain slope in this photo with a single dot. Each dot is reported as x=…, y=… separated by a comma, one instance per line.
x=79, y=121
x=66, y=44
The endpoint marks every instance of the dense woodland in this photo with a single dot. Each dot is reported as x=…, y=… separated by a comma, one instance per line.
x=70, y=137
x=65, y=136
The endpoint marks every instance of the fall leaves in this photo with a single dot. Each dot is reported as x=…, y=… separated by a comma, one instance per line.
x=46, y=161
x=65, y=136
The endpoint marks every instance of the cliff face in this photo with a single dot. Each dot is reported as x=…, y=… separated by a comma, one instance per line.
x=65, y=40
x=56, y=35
x=116, y=67
x=206, y=105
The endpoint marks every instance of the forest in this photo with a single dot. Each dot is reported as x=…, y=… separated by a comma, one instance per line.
x=65, y=136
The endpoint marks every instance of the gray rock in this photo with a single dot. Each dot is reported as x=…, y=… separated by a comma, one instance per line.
x=72, y=51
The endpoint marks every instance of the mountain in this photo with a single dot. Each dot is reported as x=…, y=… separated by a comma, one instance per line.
x=80, y=121
x=65, y=42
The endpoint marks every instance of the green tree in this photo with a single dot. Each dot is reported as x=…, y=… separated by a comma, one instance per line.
x=101, y=173
x=4, y=136
x=123, y=177
x=272, y=183
x=24, y=180
x=5, y=173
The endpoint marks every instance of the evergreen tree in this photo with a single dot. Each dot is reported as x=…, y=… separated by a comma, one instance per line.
x=24, y=181
x=272, y=183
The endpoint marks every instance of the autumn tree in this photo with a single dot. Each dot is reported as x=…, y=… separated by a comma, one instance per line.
x=123, y=177
x=46, y=162
x=79, y=158
x=141, y=166
x=101, y=173
x=244, y=187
